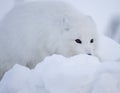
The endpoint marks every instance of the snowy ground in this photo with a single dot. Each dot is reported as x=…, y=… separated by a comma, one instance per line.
x=78, y=74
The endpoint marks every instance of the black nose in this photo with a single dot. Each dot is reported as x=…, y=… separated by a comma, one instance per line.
x=89, y=54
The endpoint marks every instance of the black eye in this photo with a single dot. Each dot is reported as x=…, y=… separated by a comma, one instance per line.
x=78, y=41
x=92, y=40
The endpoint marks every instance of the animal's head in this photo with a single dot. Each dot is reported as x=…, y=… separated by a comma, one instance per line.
x=79, y=36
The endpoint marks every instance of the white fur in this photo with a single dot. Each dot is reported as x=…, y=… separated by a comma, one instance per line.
x=34, y=30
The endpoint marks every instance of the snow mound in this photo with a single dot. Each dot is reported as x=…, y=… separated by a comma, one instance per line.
x=108, y=49
x=72, y=75
x=57, y=74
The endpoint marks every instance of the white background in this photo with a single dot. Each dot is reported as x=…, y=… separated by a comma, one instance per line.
x=102, y=11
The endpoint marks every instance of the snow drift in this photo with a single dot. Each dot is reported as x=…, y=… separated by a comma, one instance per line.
x=78, y=74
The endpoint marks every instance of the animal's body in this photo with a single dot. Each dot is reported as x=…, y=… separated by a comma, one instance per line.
x=31, y=31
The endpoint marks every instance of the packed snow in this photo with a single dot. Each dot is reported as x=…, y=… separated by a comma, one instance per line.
x=78, y=74
x=108, y=49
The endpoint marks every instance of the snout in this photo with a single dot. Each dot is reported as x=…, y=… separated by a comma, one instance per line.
x=89, y=53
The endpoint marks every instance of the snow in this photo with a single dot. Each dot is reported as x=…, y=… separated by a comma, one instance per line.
x=78, y=74
x=108, y=78
x=108, y=49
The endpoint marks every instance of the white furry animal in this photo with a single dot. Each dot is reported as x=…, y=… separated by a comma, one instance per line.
x=31, y=31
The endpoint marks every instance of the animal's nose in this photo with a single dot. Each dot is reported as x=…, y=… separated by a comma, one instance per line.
x=89, y=54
